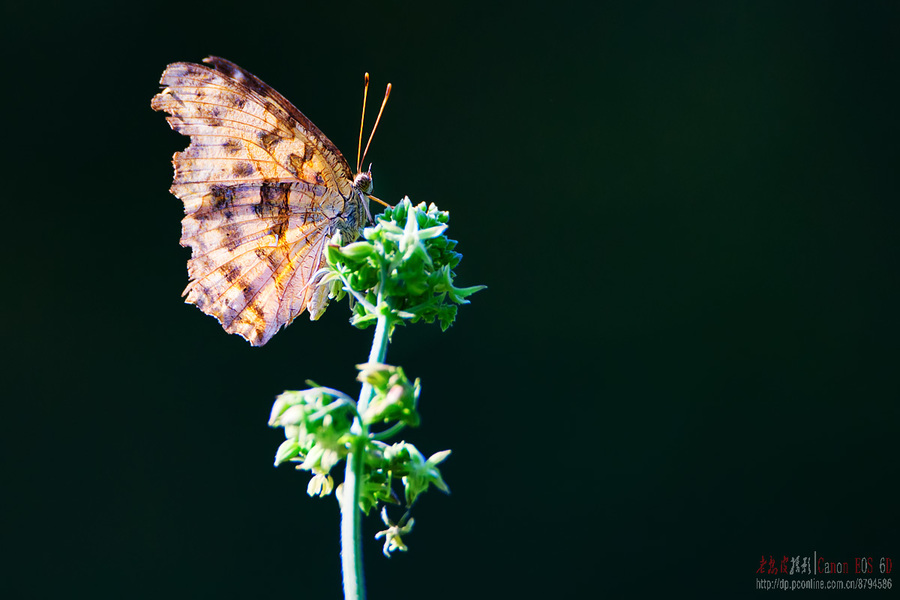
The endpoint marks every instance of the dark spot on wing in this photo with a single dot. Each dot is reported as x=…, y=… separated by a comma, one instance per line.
x=242, y=169
x=232, y=274
x=232, y=240
x=269, y=139
x=274, y=261
x=273, y=199
x=295, y=164
x=202, y=296
x=222, y=196
x=270, y=108
x=231, y=99
x=232, y=146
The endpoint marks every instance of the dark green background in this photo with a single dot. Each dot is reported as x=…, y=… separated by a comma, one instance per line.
x=686, y=359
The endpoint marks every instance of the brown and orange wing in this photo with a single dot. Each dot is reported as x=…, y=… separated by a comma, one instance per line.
x=261, y=186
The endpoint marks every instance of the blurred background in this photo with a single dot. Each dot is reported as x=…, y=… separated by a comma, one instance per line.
x=685, y=360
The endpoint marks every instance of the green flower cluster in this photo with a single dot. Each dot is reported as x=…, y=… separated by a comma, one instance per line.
x=403, y=268
x=316, y=426
x=318, y=429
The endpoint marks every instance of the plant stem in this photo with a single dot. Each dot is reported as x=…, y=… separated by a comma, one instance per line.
x=376, y=355
x=351, y=517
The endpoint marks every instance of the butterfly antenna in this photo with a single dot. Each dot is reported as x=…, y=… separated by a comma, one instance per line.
x=387, y=93
x=379, y=201
x=361, y=121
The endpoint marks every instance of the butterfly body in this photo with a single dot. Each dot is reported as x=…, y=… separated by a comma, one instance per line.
x=264, y=190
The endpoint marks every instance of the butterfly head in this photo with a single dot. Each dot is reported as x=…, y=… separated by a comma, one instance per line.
x=363, y=181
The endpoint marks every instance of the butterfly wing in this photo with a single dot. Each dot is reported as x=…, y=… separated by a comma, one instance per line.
x=262, y=188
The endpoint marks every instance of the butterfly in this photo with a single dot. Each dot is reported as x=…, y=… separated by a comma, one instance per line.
x=264, y=191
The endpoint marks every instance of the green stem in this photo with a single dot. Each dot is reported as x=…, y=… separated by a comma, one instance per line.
x=376, y=355
x=389, y=432
x=351, y=516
